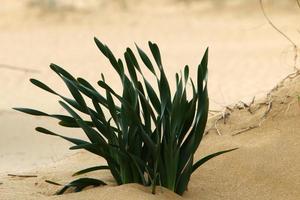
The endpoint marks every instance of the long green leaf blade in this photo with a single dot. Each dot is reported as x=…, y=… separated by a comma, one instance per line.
x=207, y=158
x=91, y=169
x=145, y=60
x=80, y=184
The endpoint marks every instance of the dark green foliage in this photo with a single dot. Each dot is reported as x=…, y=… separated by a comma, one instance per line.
x=149, y=137
x=80, y=184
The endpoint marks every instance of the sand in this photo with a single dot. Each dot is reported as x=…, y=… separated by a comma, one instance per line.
x=247, y=59
x=265, y=166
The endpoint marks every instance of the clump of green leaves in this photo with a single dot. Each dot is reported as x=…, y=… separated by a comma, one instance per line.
x=148, y=137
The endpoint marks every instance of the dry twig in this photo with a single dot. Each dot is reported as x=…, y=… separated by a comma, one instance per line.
x=295, y=47
x=268, y=109
x=245, y=129
x=18, y=69
x=241, y=105
x=288, y=77
x=223, y=115
x=53, y=183
x=22, y=176
x=250, y=104
x=216, y=125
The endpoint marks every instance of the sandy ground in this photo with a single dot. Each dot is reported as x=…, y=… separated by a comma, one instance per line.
x=247, y=58
x=265, y=166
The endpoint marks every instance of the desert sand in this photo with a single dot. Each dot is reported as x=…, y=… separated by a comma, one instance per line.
x=247, y=58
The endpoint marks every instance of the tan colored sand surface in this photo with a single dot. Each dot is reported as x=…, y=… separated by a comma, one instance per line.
x=247, y=58
x=265, y=166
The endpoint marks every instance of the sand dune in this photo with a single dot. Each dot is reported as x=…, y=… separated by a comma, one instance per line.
x=247, y=59
x=265, y=166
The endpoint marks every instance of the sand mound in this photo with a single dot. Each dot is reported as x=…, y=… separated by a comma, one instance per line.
x=247, y=57
x=266, y=165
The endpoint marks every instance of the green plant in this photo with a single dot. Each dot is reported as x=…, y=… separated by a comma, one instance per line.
x=148, y=138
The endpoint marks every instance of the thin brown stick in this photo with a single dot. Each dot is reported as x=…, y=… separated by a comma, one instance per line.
x=271, y=23
x=298, y=3
x=295, y=47
x=228, y=108
x=223, y=115
x=250, y=104
x=289, y=76
x=53, y=183
x=243, y=130
x=18, y=68
x=22, y=176
x=216, y=125
x=241, y=105
x=268, y=109
x=214, y=111
x=213, y=125
x=269, y=103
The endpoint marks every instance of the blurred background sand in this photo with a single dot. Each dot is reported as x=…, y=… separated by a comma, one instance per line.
x=247, y=57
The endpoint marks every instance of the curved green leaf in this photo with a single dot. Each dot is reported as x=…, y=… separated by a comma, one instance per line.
x=146, y=60
x=156, y=54
x=207, y=158
x=80, y=184
x=42, y=85
x=91, y=169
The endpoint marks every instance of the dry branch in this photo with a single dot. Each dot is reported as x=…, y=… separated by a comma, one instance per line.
x=216, y=125
x=245, y=129
x=250, y=104
x=223, y=115
x=22, y=176
x=53, y=183
x=295, y=47
x=14, y=68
